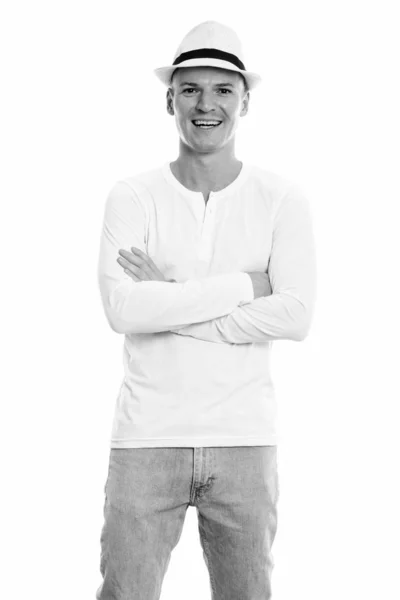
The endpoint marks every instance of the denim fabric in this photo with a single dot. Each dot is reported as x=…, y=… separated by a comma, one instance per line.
x=147, y=493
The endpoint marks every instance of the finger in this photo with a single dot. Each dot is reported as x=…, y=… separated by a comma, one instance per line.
x=131, y=268
x=132, y=275
x=137, y=272
x=129, y=258
x=151, y=265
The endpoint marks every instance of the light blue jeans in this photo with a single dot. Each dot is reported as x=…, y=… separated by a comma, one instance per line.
x=148, y=490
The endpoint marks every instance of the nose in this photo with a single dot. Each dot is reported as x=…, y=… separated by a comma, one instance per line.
x=205, y=101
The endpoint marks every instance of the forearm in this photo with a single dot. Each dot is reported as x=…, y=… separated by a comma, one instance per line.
x=287, y=313
x=275, y=317
x=155, y=306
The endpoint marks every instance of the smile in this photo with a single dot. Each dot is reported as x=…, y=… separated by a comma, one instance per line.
x=206, y=125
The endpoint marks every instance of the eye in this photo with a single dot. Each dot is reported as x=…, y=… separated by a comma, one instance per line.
x=220, y=90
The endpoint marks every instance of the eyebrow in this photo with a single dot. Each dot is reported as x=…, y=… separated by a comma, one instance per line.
x=195, y=84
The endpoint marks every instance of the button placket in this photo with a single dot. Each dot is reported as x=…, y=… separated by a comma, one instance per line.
x=206, y=232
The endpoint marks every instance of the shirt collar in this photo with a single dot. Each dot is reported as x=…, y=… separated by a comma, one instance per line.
x=229, y=189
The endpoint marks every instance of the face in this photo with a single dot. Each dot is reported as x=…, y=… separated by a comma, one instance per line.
x=207, y=93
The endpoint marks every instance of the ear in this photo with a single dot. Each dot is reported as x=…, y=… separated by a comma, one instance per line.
x=170, y=104
x=245, y=104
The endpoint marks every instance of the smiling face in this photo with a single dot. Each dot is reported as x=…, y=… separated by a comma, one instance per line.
x=207, y=93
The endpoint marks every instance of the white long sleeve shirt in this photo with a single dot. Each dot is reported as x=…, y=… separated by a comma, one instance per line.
x=197, y=352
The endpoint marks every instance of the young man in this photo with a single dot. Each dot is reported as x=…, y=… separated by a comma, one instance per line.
x=204, y=262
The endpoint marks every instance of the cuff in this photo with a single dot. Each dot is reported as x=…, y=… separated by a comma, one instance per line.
x=248, y=290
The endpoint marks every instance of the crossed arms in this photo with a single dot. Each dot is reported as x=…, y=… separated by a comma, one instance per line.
x=220, y=308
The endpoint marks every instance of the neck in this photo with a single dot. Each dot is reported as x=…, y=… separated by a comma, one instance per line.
x=200, y=172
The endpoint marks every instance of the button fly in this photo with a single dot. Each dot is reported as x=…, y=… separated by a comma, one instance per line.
x=203, y=472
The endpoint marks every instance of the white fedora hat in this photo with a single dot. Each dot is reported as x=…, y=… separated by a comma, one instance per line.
x=210, y=44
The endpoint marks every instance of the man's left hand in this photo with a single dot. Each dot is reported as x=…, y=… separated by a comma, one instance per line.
x=139, y=265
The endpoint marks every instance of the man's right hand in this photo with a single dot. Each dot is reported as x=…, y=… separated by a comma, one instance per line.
x=261, y=284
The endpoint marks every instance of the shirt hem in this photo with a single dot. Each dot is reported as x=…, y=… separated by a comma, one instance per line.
x=269, y=440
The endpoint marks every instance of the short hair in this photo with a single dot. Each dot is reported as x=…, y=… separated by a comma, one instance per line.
x=246, y=87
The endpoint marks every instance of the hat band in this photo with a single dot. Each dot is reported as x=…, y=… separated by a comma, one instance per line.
x=210, y=53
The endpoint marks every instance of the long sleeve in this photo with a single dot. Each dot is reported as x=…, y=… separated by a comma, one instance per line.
x=287, y=313
x=153, y=306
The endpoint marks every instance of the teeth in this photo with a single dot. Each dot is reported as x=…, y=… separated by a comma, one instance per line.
x=206, y=122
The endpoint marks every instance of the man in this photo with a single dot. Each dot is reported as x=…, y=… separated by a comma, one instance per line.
x=204, y=262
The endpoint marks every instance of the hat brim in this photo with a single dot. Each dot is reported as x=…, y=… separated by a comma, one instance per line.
x=164, y=74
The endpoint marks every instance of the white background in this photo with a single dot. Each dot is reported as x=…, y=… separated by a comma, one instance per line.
x=81, y=108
